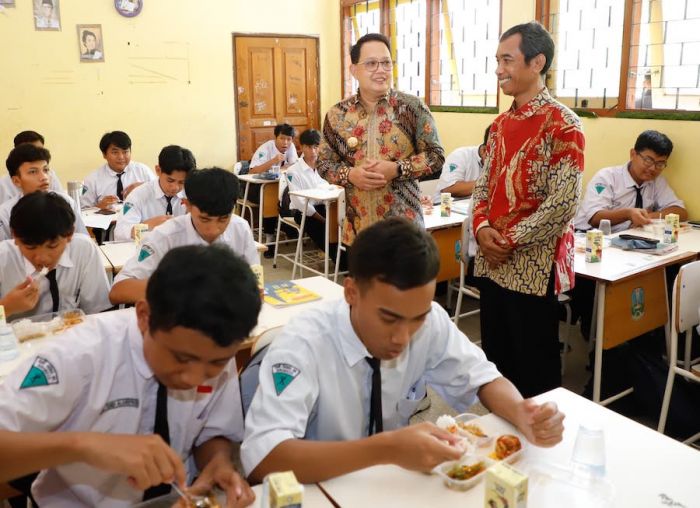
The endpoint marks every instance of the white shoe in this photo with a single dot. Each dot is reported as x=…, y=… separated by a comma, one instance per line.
x=269, y=238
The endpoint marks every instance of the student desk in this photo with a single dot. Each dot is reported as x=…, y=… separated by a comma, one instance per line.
x=643, y=466
x=328, y=196
x=268, y=199
x=446, y=231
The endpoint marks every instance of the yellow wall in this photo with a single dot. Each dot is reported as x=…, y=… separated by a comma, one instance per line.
x=167, y=77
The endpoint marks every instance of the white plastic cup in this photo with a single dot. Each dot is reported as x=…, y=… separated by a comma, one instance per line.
x=589, y=450
x=605, y=226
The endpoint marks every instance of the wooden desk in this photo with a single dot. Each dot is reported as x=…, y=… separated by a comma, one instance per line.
x=446, y=231
x=642, y=465
x=268, y=199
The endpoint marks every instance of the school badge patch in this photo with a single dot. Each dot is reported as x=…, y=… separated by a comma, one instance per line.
x=127, y=207
x=41, y=373
x=599, y=188
x=145, y=252
x=453, y=167
x=282, y=375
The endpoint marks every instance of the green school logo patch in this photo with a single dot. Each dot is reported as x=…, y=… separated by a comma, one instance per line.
x=127, y=207
x=453, y=167
x=261, y=155
x=84, y=189
x=41, y=373
x=289, y=177
x=145, y=252
x=282, y=375
x=599, y=188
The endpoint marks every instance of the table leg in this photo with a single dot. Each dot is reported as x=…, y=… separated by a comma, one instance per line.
x=260, y=214
x=327, y=237
x=598, y=362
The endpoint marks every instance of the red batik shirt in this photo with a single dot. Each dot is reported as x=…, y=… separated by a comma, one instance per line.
x=529, y=191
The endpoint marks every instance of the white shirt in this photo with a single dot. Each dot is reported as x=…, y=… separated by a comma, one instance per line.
x=145, y=202
x=268, y=150
x=103, y=181
x=180, y=231
x=324, y=383
x=6, y=211
x=613, y=188
x=80, y=274
x=98, y=380
x=462, y=165
x=9, y=190
x=300, y=176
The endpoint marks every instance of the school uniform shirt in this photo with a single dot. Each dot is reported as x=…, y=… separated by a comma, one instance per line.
x=96, y=379
x=301, y=176
x=9, y=190
x=180, y=231
x=268, y=150
x=315, y=382
x=145, y=202
x=614, y=188
x=80, y=274
x=462, y=165
x=103, y=181
x=6, y=211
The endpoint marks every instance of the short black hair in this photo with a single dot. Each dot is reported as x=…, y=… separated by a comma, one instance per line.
x=394, y=251
x=25, y=152
x=534, y=39
x=357, y=47
x=40, y=217
x=286, y=129
x=310, y=137
x=655, y=141
x=205, y=288
x=119, y=139
x=486, y=134
x=86, y=33
x=212, y=190
x=28, y=137
x=176, y=158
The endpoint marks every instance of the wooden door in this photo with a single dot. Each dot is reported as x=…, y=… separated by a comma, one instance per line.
x=276, y=82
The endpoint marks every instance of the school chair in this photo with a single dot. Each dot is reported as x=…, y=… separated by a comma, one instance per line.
x=282, y=218
x=464, y=260
x=684, y=316
x=341, y=247
x=248, y=379
x=242, y=203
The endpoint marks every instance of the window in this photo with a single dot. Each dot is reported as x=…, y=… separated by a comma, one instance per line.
x=623, y=55
x=444, y=50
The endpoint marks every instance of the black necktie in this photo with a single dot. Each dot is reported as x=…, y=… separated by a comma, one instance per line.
x=169, y=208
x=161, y=428
x=376, y=421
x=53, y=288
x=120, y=187
x=638, y=201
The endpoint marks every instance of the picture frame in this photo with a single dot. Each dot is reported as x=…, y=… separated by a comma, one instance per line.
x=47, y=15
x=128, y=8
x=90, y=43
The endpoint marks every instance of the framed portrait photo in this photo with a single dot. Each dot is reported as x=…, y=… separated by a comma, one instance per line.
x=90, y=43
x=47, y=14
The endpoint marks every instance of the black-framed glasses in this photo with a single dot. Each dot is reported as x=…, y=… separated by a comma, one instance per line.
x=373, y=65
x=648, y=161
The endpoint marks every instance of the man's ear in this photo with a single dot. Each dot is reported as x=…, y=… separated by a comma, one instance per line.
x=187, y=204
x=143, y=313
x=538, y=62
x=158, y=170
x=351, y=291
x=17, y=181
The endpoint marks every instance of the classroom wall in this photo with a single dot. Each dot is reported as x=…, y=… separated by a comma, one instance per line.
x=167, y=76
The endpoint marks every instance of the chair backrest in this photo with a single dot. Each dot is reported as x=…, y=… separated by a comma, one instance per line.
x=241, y=167
x=428, y=187
x=466, y=238
x=265, y=339
x=248, y=379
x=686, y=293
x=341, y=209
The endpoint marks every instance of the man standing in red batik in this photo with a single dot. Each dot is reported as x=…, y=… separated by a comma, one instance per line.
x=524, y=203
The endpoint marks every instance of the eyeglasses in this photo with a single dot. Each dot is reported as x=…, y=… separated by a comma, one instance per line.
x=648, y=161
x=373, y=65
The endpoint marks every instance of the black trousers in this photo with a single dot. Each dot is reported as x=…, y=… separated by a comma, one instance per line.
x=520, y=334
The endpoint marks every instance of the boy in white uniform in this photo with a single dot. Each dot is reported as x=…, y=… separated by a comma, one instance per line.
x=29, y=170
x=96, y=411
x=339, y=384
x=211, y=194
x=632, y=194
x=76, y=277
x=158, y=200
x=7, y=188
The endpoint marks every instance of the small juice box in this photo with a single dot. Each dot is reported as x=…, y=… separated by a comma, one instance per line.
x=594, y=246
x=672, y=225
x=445, y=204
x=505, y=486
x=284, y=490
x=259, y=275
x=139, y=230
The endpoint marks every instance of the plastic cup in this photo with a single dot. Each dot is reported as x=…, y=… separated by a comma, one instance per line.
x=589, y=450
x=605, y=226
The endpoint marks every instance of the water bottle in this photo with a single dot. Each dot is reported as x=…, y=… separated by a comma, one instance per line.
x=605, y=227
x=8, y=342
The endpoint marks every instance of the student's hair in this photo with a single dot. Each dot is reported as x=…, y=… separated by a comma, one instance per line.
x=656, y=141
x=355, y=50
x=117, y=138
x=40, y=217
x=285, y=129
x=535, y=39
x=25, y=152
x=310, y=137
x=209, y=289
x=212, y=190
x=28, y=137
x=394, y=251
x=87, y=33
x=176, y=158
x=486, y=133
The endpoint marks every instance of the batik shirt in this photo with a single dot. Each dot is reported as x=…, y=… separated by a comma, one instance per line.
x=528, y=193
x=400, y=129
